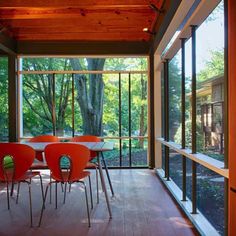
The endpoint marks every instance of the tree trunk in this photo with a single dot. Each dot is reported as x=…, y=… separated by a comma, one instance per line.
x=90, y=95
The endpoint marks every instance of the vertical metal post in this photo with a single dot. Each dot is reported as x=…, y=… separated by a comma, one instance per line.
x=130, y=160
x=73, y=104
x=120, y=141
x=183, y=144
x=194, y=147
x=53, y=104
x=12, y=99
x=225, y=111
x=166, y=116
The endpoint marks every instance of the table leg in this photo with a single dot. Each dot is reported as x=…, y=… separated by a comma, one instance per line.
x=108, y=176
x=104, y=186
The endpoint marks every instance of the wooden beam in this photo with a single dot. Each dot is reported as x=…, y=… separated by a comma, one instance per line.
x=111, y=36
x=231, y=114
x=12, y=98
x=170, y=8
x=82, y=48
x=7, y=44
x=77, y=13
x=74, y=3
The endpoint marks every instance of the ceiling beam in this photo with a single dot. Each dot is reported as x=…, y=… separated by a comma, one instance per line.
x=74, y=3
x=82, y=48
x=172, y=6
x=7, y=44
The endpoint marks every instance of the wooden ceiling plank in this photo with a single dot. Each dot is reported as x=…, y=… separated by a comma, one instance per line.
x=74, y=3
x=78, y=14
x=88, y=36
x=91, y=22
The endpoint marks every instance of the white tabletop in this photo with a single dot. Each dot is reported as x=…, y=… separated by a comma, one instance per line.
x=93, y=146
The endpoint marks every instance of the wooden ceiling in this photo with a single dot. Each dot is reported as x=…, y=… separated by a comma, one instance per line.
x=75, y=20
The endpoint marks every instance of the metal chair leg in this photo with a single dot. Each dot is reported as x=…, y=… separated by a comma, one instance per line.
x=91, y=193
x=8, y=196
x=12, y=188
x=55, y=195
x=97, y=184
x=30, y=202
x=70, y=187
x=86, y=197
x=43, y=205
x=108, y=176
x=50, y=197
x=18, y=191
x=41, y=183
x=65, y=193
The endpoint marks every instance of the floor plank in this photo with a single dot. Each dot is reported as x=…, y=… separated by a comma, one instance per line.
x=141, y=206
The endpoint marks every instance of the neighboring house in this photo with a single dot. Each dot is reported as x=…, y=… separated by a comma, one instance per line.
x=210, y=103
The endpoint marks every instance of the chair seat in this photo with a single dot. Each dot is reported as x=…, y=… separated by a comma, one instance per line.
x=65, y=177
x=26, y=176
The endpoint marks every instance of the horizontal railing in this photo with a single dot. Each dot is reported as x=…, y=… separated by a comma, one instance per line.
x=202, y=159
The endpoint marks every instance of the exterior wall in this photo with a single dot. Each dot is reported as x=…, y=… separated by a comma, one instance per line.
x=231, y=115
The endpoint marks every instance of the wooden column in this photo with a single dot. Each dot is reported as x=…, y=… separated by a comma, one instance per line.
x=232, y=114
x=12, y=98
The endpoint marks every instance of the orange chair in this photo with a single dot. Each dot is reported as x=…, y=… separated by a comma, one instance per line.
x=93, y=155
x=73, y=173
x=39, y=154
x=43, y=139
x=22, y=158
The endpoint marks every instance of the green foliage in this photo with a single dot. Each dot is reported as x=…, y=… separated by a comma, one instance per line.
x=3, y=98
x=188, y=134
x=213, y=67
x=174, y=95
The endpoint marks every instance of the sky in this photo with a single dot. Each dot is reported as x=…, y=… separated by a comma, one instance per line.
x=209, y=37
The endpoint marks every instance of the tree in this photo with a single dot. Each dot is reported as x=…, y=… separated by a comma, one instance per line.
x=90, y=95
x=3, y=99
x=213, y=67
x=174, y=95
x=39, y=96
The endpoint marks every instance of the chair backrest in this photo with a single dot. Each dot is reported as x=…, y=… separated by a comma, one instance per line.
x=22, y=157
x=76, y=153
x=44, y=138
x=87, y=138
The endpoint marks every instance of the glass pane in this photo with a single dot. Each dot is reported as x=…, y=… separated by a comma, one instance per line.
x=175, y=98
x=188, y=78
x=113, y=157
x=139, y=151
x=138, y=105
x=124, y=105
x=63, y=103
x=4, y=99
x=189, y=178
x=125, y=152
x=37, y=105
x=111, y=105
x=210, y=84
x=176, y=168
x=84, y=63
x=163, y=156
x=210, y=197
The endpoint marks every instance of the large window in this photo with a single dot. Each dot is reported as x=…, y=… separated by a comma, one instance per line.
x=4, y=98
x=98, y=96
x=210, y=84
x=195, y=165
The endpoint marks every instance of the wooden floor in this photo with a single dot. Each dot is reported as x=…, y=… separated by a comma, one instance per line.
x=141, y=206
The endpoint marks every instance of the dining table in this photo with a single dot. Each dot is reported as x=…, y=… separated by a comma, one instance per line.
x=98, y=147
